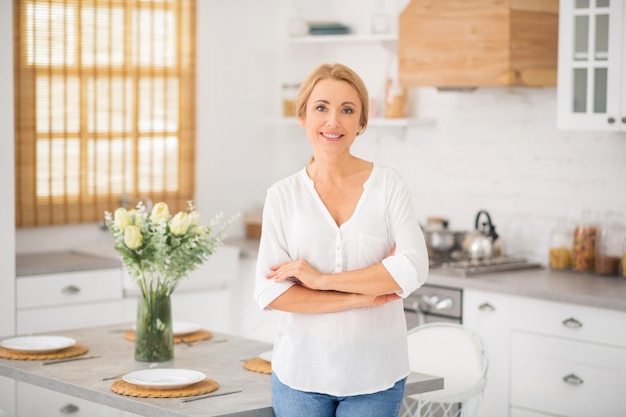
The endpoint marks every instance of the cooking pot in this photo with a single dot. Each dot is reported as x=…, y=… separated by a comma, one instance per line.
x=439, y=238
x=480, y=244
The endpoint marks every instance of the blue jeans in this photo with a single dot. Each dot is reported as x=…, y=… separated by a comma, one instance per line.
x=288, y=402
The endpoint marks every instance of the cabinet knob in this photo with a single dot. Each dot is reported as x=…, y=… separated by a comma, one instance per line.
x=486, y=307
x=572, y=323
x=611, y=120
x=573, y=379
x=70, y=290
x=624, y=119
x=69, y=408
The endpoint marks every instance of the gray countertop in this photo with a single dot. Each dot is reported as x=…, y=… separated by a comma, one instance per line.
x=567, y=287
x=220, y=358
x=62, y=261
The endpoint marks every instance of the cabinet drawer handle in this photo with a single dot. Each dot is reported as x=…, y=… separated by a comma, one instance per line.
x=69, y=409
x=486, y=307
x=573, y=379
x=70, y=289
x=611, y=120
x=572, y=323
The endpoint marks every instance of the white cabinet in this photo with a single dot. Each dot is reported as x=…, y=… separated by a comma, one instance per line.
x=567, y=377
x=35, y=401
x=488, y=314
x=567, y=359
x=548, y=358
x=53, y=302
x=592, y=65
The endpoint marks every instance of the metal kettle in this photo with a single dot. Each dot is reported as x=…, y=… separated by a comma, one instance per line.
x=480, y=244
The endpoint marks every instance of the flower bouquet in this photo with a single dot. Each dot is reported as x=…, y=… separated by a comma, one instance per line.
x=158, y=250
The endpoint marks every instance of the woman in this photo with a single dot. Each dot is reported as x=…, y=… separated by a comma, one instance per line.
x=340, y=247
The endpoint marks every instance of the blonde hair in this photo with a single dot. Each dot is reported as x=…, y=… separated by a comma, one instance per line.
x=337, y=72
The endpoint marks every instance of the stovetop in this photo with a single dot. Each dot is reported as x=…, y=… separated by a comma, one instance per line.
x=471, y=267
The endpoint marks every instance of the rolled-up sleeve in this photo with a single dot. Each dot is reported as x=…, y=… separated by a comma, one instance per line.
x=409, y=264
x=272, y=250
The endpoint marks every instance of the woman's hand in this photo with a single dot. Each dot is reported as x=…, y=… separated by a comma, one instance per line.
x=299, y=271
x=384, y=299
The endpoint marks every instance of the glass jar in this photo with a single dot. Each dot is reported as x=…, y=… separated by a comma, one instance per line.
x=560, y=246
x=624, y=258
x=609, y=246
x=584, y=244
x=290, y=92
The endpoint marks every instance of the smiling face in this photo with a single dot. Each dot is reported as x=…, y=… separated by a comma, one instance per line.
x=333, y=116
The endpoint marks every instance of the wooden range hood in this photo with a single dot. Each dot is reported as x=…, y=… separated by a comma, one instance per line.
x=468, y=43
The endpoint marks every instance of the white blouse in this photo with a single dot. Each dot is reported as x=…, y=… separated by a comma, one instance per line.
x=356, y=351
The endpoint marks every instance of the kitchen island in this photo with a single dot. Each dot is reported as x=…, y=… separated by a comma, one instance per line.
x=221, y=358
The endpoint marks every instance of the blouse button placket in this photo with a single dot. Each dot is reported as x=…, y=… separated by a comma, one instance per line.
x=338, y=256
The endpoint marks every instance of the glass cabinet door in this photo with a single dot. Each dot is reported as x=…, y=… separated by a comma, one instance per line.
x=590, y=67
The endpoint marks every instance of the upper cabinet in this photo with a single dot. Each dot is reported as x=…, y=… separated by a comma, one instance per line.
x=592, y=65
x=460, y=43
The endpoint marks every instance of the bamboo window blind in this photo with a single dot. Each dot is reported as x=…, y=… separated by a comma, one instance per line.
x=104, y=105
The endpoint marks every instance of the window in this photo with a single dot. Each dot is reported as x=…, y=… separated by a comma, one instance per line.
x=105, y=106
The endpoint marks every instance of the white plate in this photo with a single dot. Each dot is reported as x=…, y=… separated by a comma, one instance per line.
x=38, y=344
x=266, y=356
x=163, y=378
x=180, y=328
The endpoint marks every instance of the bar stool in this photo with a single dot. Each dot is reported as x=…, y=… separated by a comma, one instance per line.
x=455, y=353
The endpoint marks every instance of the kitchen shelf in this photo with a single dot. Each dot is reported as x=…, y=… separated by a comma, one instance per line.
x=348, y=38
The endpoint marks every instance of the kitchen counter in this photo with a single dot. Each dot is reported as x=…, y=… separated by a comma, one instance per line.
x=566, y=287
x=220, y=358
x=62, y=261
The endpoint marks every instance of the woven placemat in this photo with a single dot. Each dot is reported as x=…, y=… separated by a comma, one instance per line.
x=196, y=336
x=203, y=387
x=258, y=365
x=69, y=352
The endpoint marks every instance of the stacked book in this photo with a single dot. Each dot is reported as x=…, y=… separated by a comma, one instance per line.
x=328, y=28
